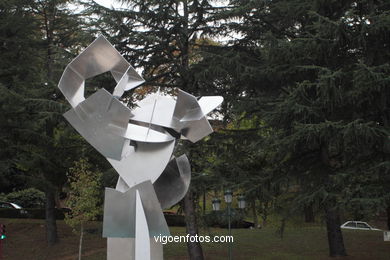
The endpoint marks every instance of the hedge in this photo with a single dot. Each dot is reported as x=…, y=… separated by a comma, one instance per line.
x=28, y=198
x=175, y=220
x=220, y=219
x=33, y=213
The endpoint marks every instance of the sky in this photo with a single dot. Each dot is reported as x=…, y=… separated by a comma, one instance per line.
x=109, y=3
x=116, y=4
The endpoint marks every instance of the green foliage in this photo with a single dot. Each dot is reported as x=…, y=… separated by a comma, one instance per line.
x=220, y=219
x=33, y=42
x=326, y=103
x=28, y=198
x=165, y=38
x=84, y=195
x=174, y=220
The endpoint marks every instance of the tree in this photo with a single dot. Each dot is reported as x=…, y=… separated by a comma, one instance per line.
x=311, y=57
x=16, y=52
x=84, y=197
x=57, y=42
x=36, y=45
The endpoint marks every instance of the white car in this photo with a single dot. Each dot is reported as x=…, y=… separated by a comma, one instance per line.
x=358, y=225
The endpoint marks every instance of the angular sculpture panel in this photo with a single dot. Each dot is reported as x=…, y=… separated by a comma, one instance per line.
x=102, y=120
x=120, y=211
x=145, y=161
x=99, y=57
x=138, y=144
x=173, y=183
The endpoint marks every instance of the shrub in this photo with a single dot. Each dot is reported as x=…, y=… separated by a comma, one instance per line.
x=11, y=213
x=220, y=219
x=28, y=198
x=31, y=213
x=174, y=220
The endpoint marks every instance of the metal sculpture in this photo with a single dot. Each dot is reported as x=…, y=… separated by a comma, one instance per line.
x=138, y=144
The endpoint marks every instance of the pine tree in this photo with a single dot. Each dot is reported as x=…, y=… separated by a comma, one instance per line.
x=36, y=45
x=328, y=87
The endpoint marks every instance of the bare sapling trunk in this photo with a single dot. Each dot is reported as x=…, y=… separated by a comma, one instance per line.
x=81, y=239
x=388, y=217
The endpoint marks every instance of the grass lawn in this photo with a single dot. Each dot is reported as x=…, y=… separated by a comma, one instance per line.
x=26, y=240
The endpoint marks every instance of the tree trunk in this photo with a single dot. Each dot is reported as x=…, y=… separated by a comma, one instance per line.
x=51, y=225
x=309, y=213
x=332, y=215
x=388, y=217
x=282, y=227
x=194, y=248
x=81, y=240
x=335, y=237
x=48, y=22
x=254, y=213
x=204, y=203
x=264, y=214
x=57, y=198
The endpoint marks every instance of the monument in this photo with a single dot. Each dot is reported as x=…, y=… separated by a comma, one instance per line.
x=138, y=143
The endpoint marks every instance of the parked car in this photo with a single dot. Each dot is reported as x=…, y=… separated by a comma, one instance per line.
x=10, y=205
x=357, y=225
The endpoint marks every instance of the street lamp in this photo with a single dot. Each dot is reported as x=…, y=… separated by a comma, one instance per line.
x=228, y=199
x=228, y=196
x=241, y=201
x=216, y=204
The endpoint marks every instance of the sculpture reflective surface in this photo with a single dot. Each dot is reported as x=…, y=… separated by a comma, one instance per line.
x=138, y=144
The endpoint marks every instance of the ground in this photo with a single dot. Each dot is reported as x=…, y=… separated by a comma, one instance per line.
x=26, y=240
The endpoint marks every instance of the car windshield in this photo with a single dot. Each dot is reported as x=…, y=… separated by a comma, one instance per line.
x=16, y=206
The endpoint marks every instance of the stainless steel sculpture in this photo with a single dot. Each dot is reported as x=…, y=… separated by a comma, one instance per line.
x=138, y=143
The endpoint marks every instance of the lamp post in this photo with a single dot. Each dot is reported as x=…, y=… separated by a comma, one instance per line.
x=228, y=199
x=241, y=201
x=216, y=204
x=228, y=196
